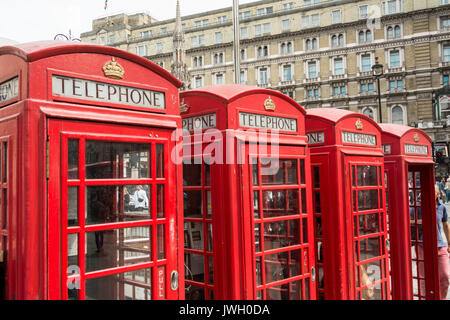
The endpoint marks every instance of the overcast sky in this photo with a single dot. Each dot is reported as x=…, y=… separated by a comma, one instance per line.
x=32, y=20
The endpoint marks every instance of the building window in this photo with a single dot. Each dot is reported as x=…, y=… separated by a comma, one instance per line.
x=194, y=41
x=370, y=112
x=338, y=66
x=201, y=40
x=219, y=78
x=218, y=37
x=392, y=6
x=445, y=22
x=311, y=44
x=395, y=85
x=159, y=47
x=243, y=77
x=198, y=82
x=337, y=40
x=243, y=54
x=163, y=31
x=397, y=115
x=367, y=88
x=286, y=48
x=286, y=25
x=222, y=19
x=315, y=20
x=366, y=63
x=258, y=30
x=312, y=70
x=336, y=16
x=266, y=27
x=365, y=36
x=102, y=40
x=197, y=61
x=363, y=12
x=111, y=39
x=445, y=80
x=445, y=2
x=218, y=58
x=446, y=52
x=394, y=59
x=287, y=73
x=394, y=32
x=288, y=6
x=305, y=22
x=263, y=76
x=141, y=50
x=244, y=15
x=313, y=93
x=339, y=91
x=244, y=33
x=263, y=51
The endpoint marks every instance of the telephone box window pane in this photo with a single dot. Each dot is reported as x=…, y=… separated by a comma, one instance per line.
x=369, y=248
x=72, y=157
x=159, y=161
x=317, y=204
x=195, y=231
x=161, y=242
x=367, y=176
x=255, y=171
x=417, y=174
x=295, y=264
x=258, y=271
x=129, y=286
x=371, y=273
x=302, y=170
x=284, y=293
x=368, y=200
x=117, y=248
x=305, y=231
x=73, y=294
x=207, y=175
x=210, y=237
x=353, y=176
x=5, y=209
x=281, y=234
x=115, y=160
x=160, y=194
x=369, y=224
x=304, y=201
x=259, y=295
x=5, y=161
x=208, y=204
x=276, y=267
x=280, y=203
x=279, y=172
x=194, y=293
x=192, y=175
x=256, y=210
x=72, y=207
x=257, y=238
x=211, y=273
x=319, y=227
x=193, y=205
x=104, y=205
x=316, y=177
x=72, y=250
x=195, y=264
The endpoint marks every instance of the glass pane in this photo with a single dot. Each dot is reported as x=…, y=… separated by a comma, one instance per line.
x=276, y=267
x=211, y=270
x=210, y=237
x=115, y=160
x=208, y=204
x=258, y=271
x=161, y=242
x=304, y=201
x=193, y=205
x=207, y=175
x=295, y=264
x=159, y=161
x=256, y=205
x=118, y=248
x=367, y=176
x=5, y=161
x=302, y=170
x=371, y=273
x=135, y=285
x=368, y=200
x=104, y=205
x=195, y=267
x=279, y=172
x=288, y=291
x=160, y=198
x=317, y=204
x=369, y=224
x=194, y=293
x=4, y=209
x=317, y=177
x=258, y=237
x=305, y=231
x=72, y=159
x=318, y=227
x=195, y=231
x=72, y=206
x=280, y=203
x=369, y=248
x=72, y=250
x=192, y=175
x=353, y=176
x=255, y=171
x=281, y=234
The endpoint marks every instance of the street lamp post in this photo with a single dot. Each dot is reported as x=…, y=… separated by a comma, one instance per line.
x=378, y=71
x=236, y=43
x=63, y=37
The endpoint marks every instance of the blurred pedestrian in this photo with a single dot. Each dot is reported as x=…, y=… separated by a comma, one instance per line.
x=443, y=253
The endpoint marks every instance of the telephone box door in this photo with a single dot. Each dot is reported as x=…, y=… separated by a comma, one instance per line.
x=281, y=228
x=112, y=214
x=368, y=234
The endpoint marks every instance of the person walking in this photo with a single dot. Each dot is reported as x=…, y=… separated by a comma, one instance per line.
x=443, y=247
x=447, y=190
x=140, y=199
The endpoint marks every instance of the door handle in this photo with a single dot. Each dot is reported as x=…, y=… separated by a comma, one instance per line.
x=313, y=274
x=174, y=280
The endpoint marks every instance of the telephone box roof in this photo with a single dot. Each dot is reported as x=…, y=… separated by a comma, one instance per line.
x=38, y=50
x=228, y=93
x=400, y=131
x=335, y=116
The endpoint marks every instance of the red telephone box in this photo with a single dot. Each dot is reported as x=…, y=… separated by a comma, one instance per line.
x=349, y=205
x=247, y=208
x=89, y=200
x=409, y=169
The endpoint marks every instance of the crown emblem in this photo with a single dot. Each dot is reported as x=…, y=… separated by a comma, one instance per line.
x=269, y=104
x=113, y=70
x=359, y=125
x=183, y=107
x=416, y=138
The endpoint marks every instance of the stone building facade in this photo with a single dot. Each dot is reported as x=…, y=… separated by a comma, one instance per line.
x=319, y=52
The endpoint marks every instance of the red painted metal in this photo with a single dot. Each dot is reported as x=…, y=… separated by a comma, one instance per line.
x=36, y=122
x=236, y=199
x=409, y=167
x=342, y=144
